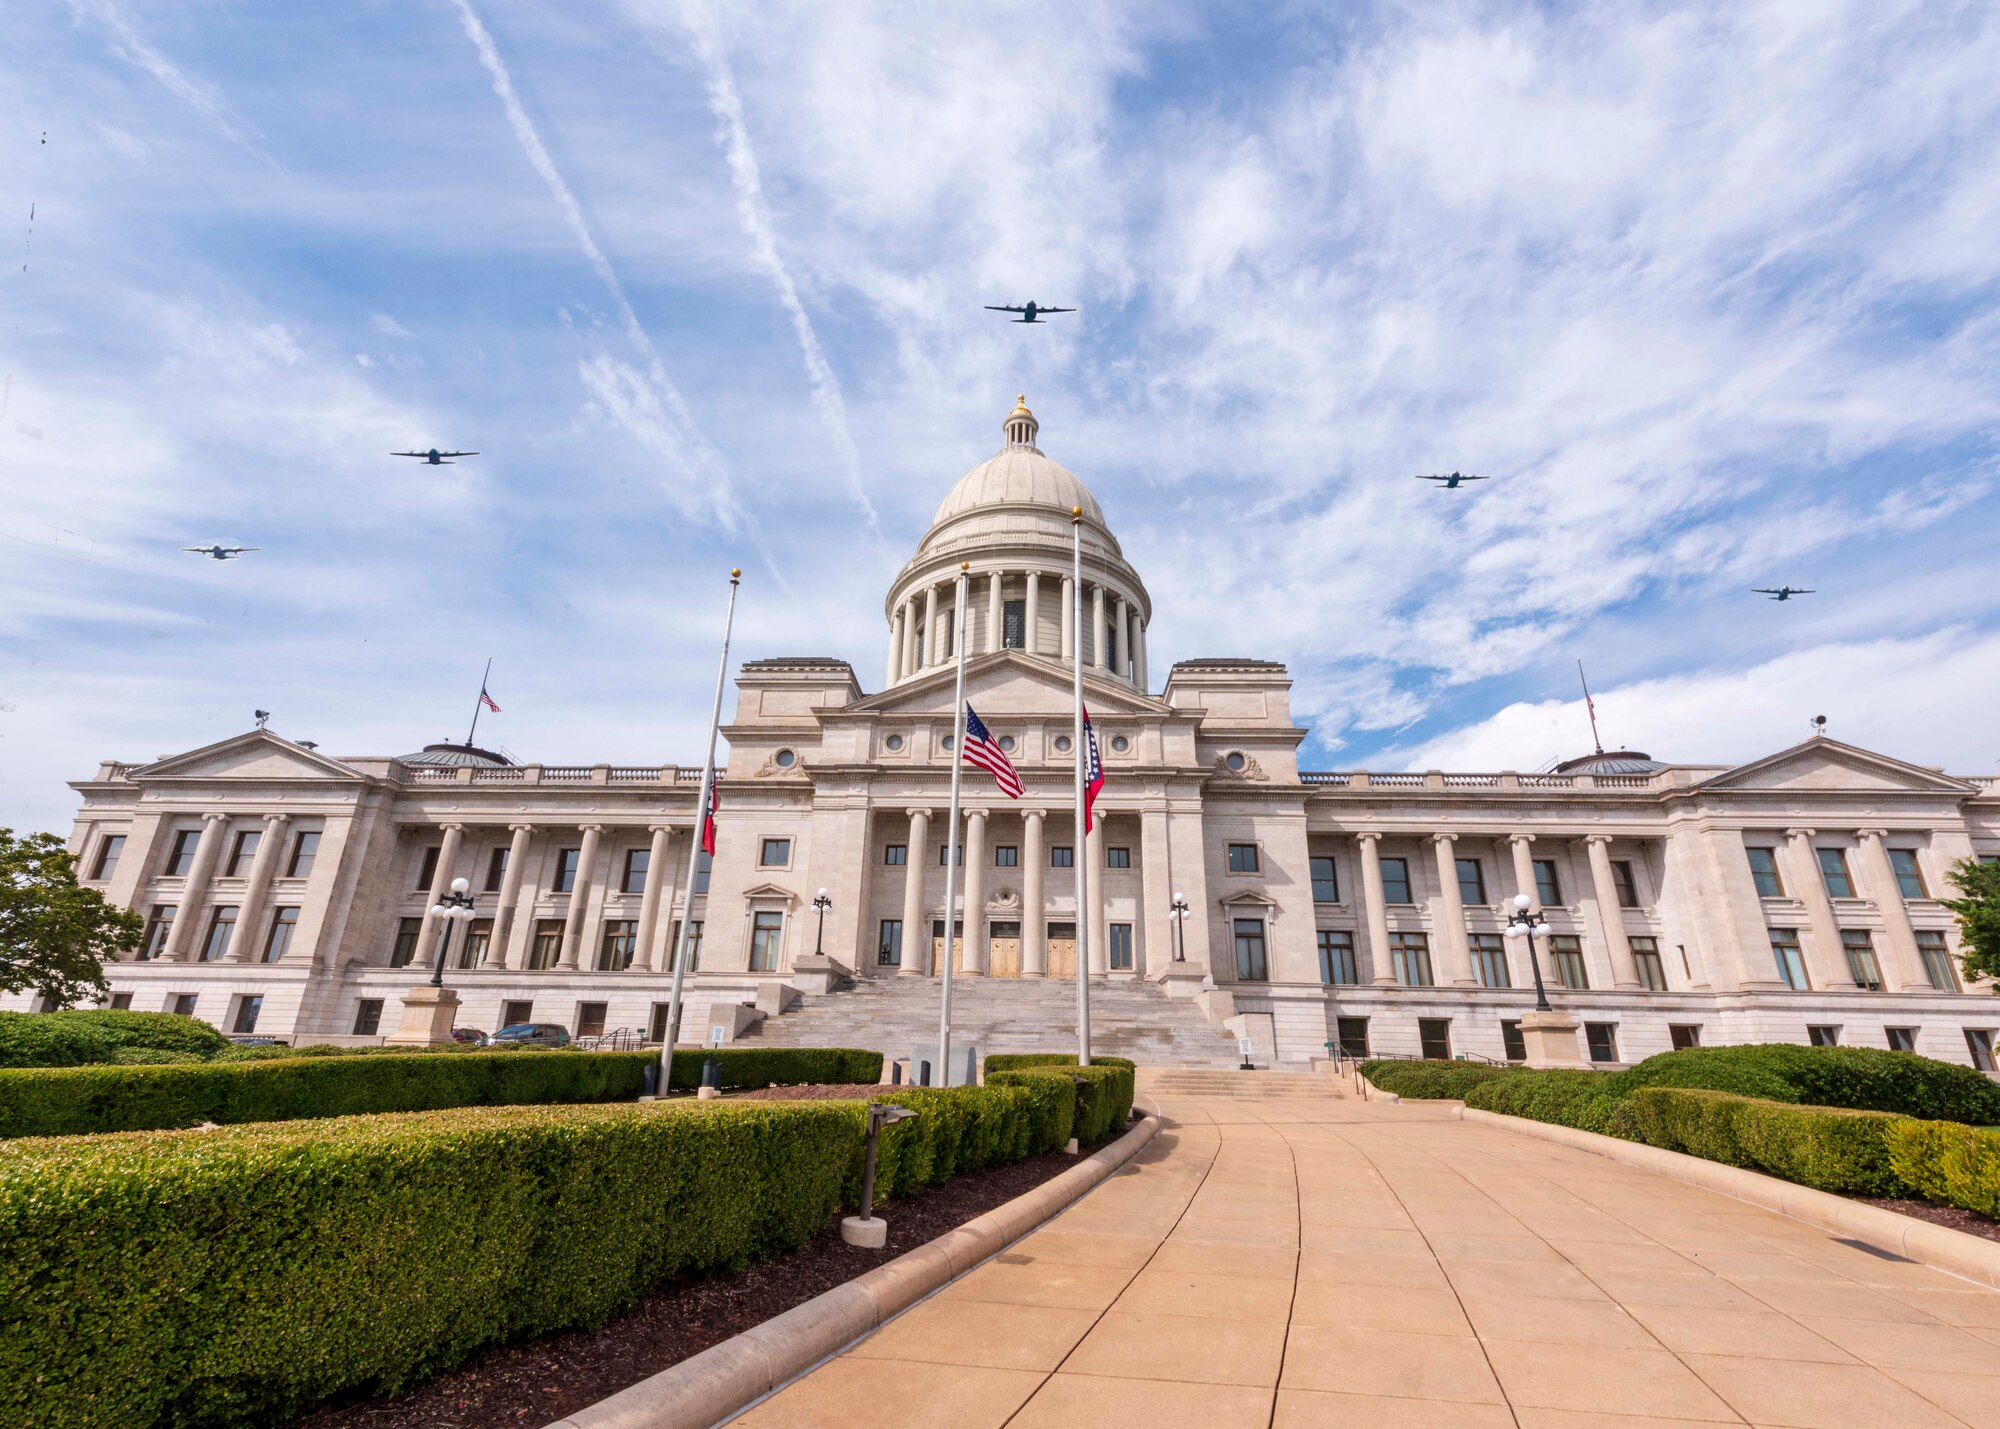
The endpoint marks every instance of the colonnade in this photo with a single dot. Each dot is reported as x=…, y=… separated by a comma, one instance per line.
x=921, y=638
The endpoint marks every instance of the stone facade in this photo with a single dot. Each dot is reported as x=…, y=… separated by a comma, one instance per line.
x=1686, y=901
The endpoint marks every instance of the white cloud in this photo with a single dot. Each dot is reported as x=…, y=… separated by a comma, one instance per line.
x=388, y=326
x=133, y=47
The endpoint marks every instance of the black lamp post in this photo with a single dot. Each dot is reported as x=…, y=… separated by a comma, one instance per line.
x=823, y=902
x=1180, y=915
x=1523, y=924
x=454, y=907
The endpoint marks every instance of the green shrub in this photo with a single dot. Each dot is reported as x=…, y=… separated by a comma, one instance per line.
x=1103, y=1102
x=1580, y=1099
x=1861, y=1078
x=1021, y=1061
x=955, y=1129
x=1948, y=1163
x=149, y=1057
x=74, y=1039
x=1052, y=1104
x=64, y=1101
x=1828, y=1148
x=1424, y=1081
x=749, y=1067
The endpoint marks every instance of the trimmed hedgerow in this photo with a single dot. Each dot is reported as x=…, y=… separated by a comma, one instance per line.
x=1103, y=1102
x=68, y=1101
x=1861, y=1078
x=956, y=1129
x=86, y=1036
x=1052, y=1103
x=1828, y=1148
x=1427, y=1081
x=1945, y=1162
x=1021, y=1061
x=749, y=1067
x=1580, y=1099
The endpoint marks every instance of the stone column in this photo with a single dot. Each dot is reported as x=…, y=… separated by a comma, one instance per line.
x=1903, y=969
x=909, y=637
x=1823, y=954
x=916, y=928
x=1611, y=913
x=250, y=914
x=1031, y=634
x=896, y=647
x=996, y=614
x=1139, y=677
x=1518, y=845
x=1121, y=643
x=1100, y=653
x=932, y=652
x=1451, y=920
x=579, y=900
x=1034, y=919
x=1066, y=622
x=1382, y=967
x=972, y=958
x=441, y=876
x=194, y=889
x=645, y=956
x=1100, y=937
x=508, y=924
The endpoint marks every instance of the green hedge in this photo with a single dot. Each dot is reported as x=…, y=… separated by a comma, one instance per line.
x=66, y=1101
x=1052, y=1104
x=1827, y=1148
x=1951, y=1164
x=750, y=1067
x=1103, y=1103
x=79, y=1038
x=1584, y=1100
x=1425, y=1081
x=1861, y=1078
x=956, y=1129
x=1021, y=1061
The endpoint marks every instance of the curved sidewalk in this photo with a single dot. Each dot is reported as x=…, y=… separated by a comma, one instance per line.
x=1305, y=1262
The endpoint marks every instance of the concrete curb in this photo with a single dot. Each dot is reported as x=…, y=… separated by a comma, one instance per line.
x=1972, y=1257
x=722, y=1381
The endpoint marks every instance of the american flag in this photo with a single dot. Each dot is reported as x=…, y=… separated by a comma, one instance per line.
x=487, y=700
x=983, y=749
x=1093, y=771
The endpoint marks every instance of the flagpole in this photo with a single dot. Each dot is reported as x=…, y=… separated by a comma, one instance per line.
x=1082, y=854
x=694, y=851
x=951, y=838
x=1590, y=707
x=479, y=703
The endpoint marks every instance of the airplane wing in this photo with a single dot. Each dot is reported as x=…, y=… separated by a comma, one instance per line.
x=1805, y=592
x=1054, y=310
x=241, y=549
x=1432, y=478
x=1472, y=478
x=409, y=453
x=992, y=309
x=195, y=550
x=1761, y=590
x=458, y=453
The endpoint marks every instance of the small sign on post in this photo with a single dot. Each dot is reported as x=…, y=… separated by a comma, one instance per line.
x=717, y=1035
x=1243, y=1046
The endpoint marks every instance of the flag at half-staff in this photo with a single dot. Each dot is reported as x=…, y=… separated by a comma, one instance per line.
x=1093, y=772
x=983, y=750
x=708, y=815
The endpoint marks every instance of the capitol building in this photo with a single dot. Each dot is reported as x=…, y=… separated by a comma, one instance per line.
x=1793, y=898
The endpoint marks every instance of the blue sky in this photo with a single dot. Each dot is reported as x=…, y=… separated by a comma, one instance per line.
x=1708, y=291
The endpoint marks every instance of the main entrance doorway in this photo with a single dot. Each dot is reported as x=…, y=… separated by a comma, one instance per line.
x=1003, y=950
x=937, y=944
x=1062, y=950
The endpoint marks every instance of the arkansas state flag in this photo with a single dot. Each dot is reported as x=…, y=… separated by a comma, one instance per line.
x=708, y=815
x=1093, y=771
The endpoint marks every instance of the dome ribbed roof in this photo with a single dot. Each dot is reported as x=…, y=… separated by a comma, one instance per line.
x=1612, y=761
x=456, y=756
x=1019, y=475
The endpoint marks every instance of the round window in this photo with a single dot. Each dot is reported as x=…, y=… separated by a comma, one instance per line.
x=1119, y=744
x=785, y=759
x=1234, y=761
x=947, y=744
x=893, y=743
x=1007, y=743
x=1062, y=744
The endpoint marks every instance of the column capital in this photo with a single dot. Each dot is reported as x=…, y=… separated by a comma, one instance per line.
x=452, y=828
x=1034, y=813
x=971, y=814
x=1800, y=833
x=277, y=818
x=1598, y=840
x=919, y=813
x=1442, y=839
x=1876, y=834
x=1523, y=840
x=520, y=828
x=661, y=828
x=1368, y=836
x=591, y=828
x=212, y=817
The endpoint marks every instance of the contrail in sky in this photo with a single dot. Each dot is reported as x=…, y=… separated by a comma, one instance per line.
x=129, y=45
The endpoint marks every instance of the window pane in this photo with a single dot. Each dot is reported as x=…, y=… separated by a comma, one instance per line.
x=221, y=928
x=1791, y=963
x=1602, y=1039
x=1652, y=975
x=1937, y=959
x=1326, y=887
x=765, y=931
x=1014, y=624
x=478, y=945
x=1764, y=873
x=247, y=1009
x=637, y=861
x=1118, y=858
x=1395, y=880
x=1489, y=960
x=1909, y=877
x=621, y=938
x=1684, y=1035
x=1006, y=856
x=704, y=865
x=242, y=853
x=1121, y=946
x=1410, y=955
x=1861, y=963
x=1434, y=1038
x=889, y=947
x=427, y=867
x=1823, y=1036
x=1979, y=1043
x=405, y=948
x=896, y=854
x=1243, y=858
x=1250, y=965
x=547, y=949
x=1511, y=1042
x=368, y=1017
x=1353, y=1035
x=566, y=862
x=1471, y=883
x=1547, y=887
x=1061, y=856
x=182, y=856
x=283, y=921
x=1901, y=1039
x=1336, y=957
x=1621, y=878
x=496, y=870
x=158, y=927
x=107, y=856
x=1833, y=867
x=944, y=855
x=1567, y=953
x=777, y=853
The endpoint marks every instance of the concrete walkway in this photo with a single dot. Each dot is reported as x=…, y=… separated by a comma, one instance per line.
x=1332, y=1262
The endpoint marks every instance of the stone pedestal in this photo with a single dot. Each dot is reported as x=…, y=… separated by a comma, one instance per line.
x=869, y=1232
x=429, y=1014
x=1183, y=980
x=1550, y=1039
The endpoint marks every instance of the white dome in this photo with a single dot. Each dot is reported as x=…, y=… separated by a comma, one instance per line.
x=1019, y=476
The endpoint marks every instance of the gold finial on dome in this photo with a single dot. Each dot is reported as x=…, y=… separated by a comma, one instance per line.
x=1021, y=425
x=1021, y=407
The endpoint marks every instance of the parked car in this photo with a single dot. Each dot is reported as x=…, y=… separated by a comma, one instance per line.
x=533, y=1034
x=468, y=1036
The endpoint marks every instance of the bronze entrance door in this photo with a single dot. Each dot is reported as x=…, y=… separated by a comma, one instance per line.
x=1062, y=950
x=1003, y=950
x=937, y=944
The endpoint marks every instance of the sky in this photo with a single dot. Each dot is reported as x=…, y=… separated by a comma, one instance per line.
x=1710, y=293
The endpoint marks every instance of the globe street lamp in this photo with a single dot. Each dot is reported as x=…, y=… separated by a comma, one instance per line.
x=1523, y=924
x=823, y=902
x=1179, y=913
x=454, y=907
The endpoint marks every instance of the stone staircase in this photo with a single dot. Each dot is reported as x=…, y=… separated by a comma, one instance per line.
x=897, y=1014
x=1239, y=1085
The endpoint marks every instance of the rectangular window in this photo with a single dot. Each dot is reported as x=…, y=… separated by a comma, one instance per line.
x=184, y=1003
x=305, y=848
x=766, y=929
x=1326, y=887
x=1336, y=957
x=1489, y=960
x=1979, y=1044
x=1764, y=872
x=1472, y=884
x=1014, y=624
x=1353, y=1035
x=121, y=1002
x=656, y=1028
x=247, y=1008
x=1566, y=951
x=1243, y=858
x=1625, y=883
x=1512, y=1045
x=889, y=947
x=496, y=869
x=1056, y=932
x=1909, y=877
x=221, y=928
x=1548, y=888
x=1396, y=880
x=1118, y=858
x=1683, y=1035
x=1861, y=963
x=1250, y=965
x=621, y=938
x=958, y=930
x=1791, y=962
x=1060, y=856
x=1003, y=930
x=694, y=945
x=1121, y=947
x=1937, y=959
x=546, y=950
x=566, y=862
x=284, y=922
x=478, y=946
x=776, y=853
x=159, y=927
x=368, y=1017
x=944, y=855
x=1434, y=1038
x=704, y=865
x=1410, y=955
x=242, y=853
x=1652, y=973
x=1823, y=1036
x=637, y=862
x=427, y=868
x=1006, y=856
x=107, y=857
x=1602, y=1039
x=590, y=1019
x=895, y=855
x=1833, y=868
x=513, y=1014
x=181, y=858
x=1901, y=1039
x=408, y=930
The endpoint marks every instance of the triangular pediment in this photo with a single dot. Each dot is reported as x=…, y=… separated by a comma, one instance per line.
x=769, y=892
x=1823, y=764
x=1005, y=683
x=257, y=754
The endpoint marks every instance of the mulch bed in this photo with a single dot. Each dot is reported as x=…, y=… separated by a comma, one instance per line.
x=1951, y=1217
x=533, y=1383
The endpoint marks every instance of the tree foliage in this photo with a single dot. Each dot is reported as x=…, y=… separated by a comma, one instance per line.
x=1978, y=916
x=55, y=936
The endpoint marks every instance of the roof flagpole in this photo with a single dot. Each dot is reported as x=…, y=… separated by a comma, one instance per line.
x=951, y=837
x=478, y=703
x=1590, y=705
x=1082, y=854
